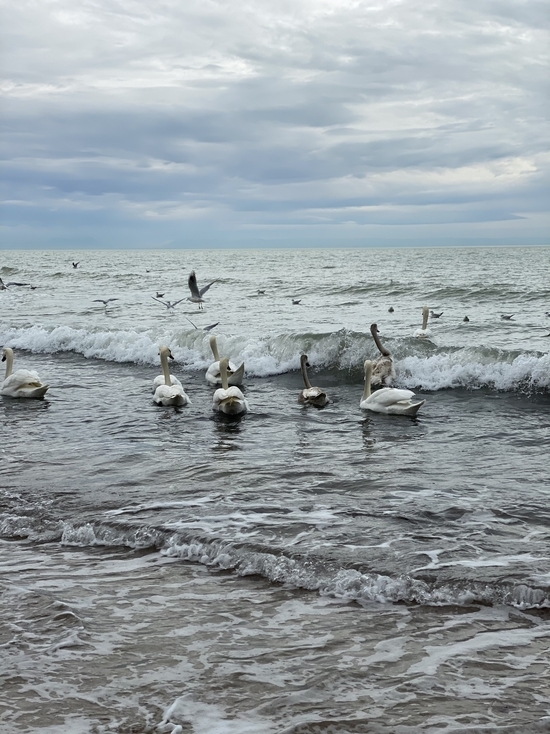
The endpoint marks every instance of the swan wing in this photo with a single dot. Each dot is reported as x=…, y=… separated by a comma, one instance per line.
x=170, y=395
x=390, y=395
x=158, y=381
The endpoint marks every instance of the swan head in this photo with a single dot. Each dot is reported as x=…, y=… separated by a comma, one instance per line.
x=165, y=352
x=303, y=361
x=6, y=352
x=374, y=329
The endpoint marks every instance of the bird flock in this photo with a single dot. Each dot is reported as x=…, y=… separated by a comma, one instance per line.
x=227, y=378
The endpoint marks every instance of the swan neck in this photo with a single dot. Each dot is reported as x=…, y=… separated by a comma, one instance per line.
x=384, y=352
x=424, y=318
x=214, y=348
x=223, y=374
x=304, y=373
x=9, y=363
x=368, y=375
x=165, y=370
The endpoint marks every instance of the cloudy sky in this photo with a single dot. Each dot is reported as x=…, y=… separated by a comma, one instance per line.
x=188, y=123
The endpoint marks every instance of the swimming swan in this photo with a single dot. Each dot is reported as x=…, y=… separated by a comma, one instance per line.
x=20, y=384
x=311, y=395
x=213, y=375
x=388, y=400
x=424, y=331
x=228, y=400
x=169, y=393
x=382, y=369
x=161, y=379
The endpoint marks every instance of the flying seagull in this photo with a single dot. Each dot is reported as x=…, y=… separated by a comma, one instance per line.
x=435, y=315
x=204, y=328
x=169, y=304
x=196, y=294
x=5, y=286
x=104, y=302
x=75, y=265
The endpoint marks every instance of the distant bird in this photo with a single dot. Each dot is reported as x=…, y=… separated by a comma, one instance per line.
x=204, y=328
x=196, y=294
x=75, y=265
x=261, y=293
x=391, y=309
x=169, y=304
x=296, y=302
x=311, y=395
x=465, y=319
x=424, y=331
x=104, y=301
x=5, y=286
x=22, y=383
x=547, y=313
x=160, y=295
x=506, y=317
x=547, y=335
x=435, y=315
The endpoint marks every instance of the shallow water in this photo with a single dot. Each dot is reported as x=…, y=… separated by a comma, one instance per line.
x=299, y=570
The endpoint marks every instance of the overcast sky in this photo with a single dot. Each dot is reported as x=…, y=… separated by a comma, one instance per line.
x=183, y=123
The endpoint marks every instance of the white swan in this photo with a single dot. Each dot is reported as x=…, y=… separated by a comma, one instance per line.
x=383, y=371
x=168, y=393
x=20, y=384
x=310, y=395
x=424, y=331
x=228, y=400
x=388, y=399
x=213, y=376
x=161, y=379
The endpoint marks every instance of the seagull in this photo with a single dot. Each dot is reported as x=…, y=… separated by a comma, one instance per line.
x=547, y=313
x=5, y=286
x=104, y=302
x=465, y=319
x=75, y=265
x=435, y=315
x=390, y=309
x=196, y=294
x=204, y=328
x=160, y=295
x=261, y=293
x=296, y=302
x=505, y=317
x=169, y=304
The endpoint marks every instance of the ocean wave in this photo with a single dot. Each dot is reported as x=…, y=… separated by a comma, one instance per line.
x=419, y=363
x=307, y=572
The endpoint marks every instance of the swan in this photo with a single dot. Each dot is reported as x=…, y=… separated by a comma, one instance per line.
x=382, y=371
x=169, y=393
x=311, y=395
x=388, y=400
x=424, y=331
x=161, y=379
x=20, y=384
x=213, y=374
x=228, y=400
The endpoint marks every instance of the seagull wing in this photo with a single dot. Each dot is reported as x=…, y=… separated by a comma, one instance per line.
x=12, y=283
x=192, y=324
x=206, y=287
x=208, y=328
x=99, y=300
x=176, y=302
x=193, y=287
x=158, y=299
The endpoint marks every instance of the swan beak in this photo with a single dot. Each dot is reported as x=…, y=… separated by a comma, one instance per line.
x=170, y=356
x=3, y=358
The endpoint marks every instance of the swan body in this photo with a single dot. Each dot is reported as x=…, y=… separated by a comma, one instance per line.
x=383, y=371
x=228, y=399
x=311, y=395
x=213, y=374
x=22, y=383
x=168, y=392
x=424, y=331
x=389, y=400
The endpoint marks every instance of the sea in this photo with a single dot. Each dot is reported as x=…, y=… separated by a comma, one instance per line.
x=296, y=570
